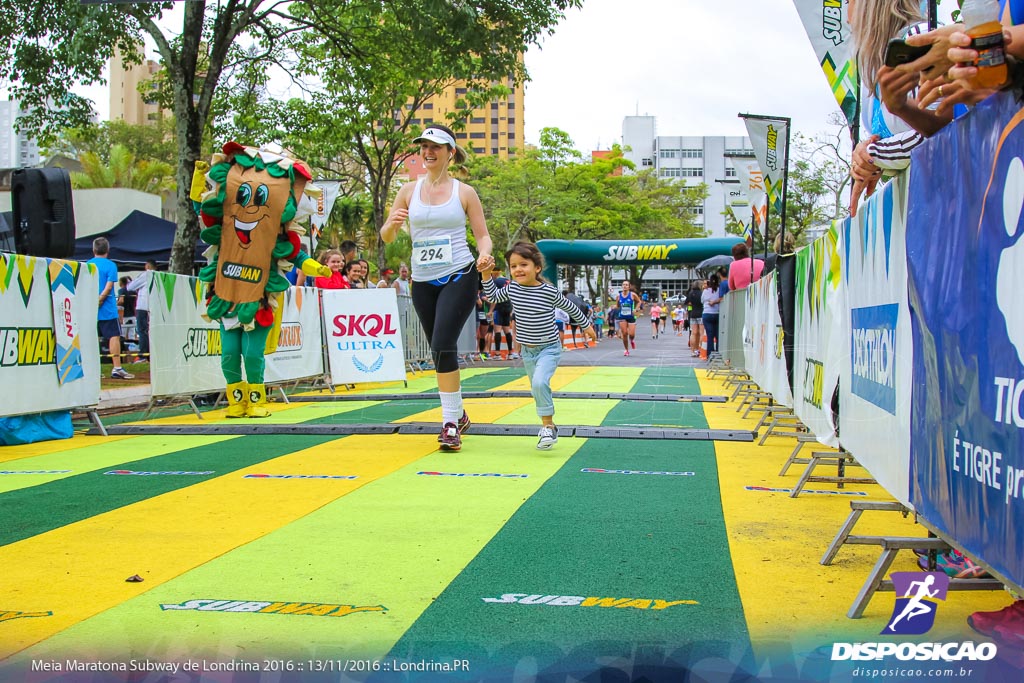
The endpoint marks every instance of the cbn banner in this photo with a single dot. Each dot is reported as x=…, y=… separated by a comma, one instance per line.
x=829, y=32
x=967, y=429
x=364, y=335
x=816, y=357
x=49, y=347
x=763, y=339
x=877, y=350
x=185, y=348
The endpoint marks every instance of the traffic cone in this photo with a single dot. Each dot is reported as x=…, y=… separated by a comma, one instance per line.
x=703, y=344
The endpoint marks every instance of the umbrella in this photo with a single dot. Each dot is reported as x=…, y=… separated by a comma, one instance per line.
x=714, y=263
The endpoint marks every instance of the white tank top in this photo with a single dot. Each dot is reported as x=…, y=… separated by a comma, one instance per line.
x=438, y=234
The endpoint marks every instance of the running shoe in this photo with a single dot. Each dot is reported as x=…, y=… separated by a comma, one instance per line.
x=547, y=437
x=1009, y=619
x=463, y=425
x=632, y=343
x=121, y=373
x=956, y=565
x=450, y=438
x=626, y=353
x=514, y=356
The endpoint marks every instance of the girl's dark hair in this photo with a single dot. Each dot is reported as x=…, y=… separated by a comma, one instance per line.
x=740, y=251
x=528, y=251
x=714, y=281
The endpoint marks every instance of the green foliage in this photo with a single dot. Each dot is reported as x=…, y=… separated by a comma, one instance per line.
x=121, y=169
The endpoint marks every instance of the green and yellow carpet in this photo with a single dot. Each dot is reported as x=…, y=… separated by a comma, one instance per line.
x=376, y=557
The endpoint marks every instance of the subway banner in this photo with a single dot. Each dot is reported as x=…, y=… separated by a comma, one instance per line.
x=186, y=348
x=49, y=348
x=965, y=255
x=829, y=32
x=877, y=352
x=364, y=335
x=763, y=339
x=816, y=357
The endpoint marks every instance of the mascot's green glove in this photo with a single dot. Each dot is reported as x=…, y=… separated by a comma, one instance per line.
x=314, y=268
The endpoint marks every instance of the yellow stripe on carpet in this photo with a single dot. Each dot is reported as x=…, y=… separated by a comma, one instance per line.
x=79, y=570
x=776, y=543
x=29, y=450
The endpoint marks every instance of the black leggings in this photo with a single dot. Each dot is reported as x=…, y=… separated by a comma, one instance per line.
x=443, y=311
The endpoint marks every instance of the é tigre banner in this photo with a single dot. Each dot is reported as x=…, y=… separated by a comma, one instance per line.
x=763, y=339
x=364, y=335
x=965, y=254
x=186, y=349
x=49, y=347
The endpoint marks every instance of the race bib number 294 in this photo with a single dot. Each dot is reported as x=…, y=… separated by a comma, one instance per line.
x=433, y=252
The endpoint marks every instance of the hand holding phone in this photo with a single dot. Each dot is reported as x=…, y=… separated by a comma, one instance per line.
x=898, y=52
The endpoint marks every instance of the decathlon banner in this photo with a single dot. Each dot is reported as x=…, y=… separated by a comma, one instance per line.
x=829, y=32
x=300, y=351
x=763, y=339
x=967, y=434
x=364, y=335
x=816, y=356
x=874, y=397
x=185, y=348
x=769, y=137
x=49, y=348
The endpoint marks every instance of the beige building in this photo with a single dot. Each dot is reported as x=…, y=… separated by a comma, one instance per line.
x=126, y=101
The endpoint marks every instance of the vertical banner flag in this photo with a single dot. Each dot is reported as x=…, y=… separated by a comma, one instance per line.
x=967, y=422
x=67, y=316
x=364, y=335
x=752, y=186
x=829, y=31
x=324, y=205
x=768, y=137
x=40, y=311
x=816, y=357
x=875, y=379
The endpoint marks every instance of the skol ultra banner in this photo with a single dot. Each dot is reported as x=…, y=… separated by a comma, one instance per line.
x=829, y=32
x=769, y=137
x=763, y=340
x=49, y=348
x=816, y=357
x=364, y=335
x=186, y=348
x=874, y=397
x=965, y=254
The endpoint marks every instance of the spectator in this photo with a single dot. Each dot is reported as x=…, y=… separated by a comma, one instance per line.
x=710, y=300
x=502, y=316
x=385, y=278
x=141, y=286
x=107, y=324
x=695, y=309
x=613, y=320
x=364, y=273
x=349, y=251
x=599, y=316
x=402, y=283
x=583, y=306
x=743, y=270
x=333, y=259
x=125, y=300
x=353, y=274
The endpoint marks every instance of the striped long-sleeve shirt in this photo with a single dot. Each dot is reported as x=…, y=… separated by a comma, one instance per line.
x=535, y=310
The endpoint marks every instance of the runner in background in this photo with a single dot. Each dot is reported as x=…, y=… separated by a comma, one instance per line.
x=629, y=303
x=535, y=302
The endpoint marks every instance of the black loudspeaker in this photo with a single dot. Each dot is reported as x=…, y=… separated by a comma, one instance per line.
x=44, y=216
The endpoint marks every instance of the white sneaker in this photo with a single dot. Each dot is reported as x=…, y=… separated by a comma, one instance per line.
x=121, y=373
x=547, y=438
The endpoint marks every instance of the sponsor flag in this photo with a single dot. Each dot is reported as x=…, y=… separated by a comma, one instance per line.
x=769, y=136
x=829, y=32
x=67, y=316
x=752, y=185
x=324, y=204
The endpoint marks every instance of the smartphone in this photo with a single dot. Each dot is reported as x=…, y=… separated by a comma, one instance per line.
x=898, y=52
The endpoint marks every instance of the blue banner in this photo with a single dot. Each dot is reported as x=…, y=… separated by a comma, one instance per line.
x=966, y=260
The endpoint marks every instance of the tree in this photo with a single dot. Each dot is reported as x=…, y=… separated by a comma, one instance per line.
x=56, y=43
x=121, y=169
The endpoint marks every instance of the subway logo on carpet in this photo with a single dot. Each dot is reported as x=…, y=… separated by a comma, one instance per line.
x=581, y=601
x=314, y=609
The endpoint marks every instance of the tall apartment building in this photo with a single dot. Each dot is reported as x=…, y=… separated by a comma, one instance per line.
x=692, y=160
x=495, y=129
x=126, y=101
x=17, y=150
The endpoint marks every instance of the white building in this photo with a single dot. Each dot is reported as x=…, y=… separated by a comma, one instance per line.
x=17, y=150
x=692, y=160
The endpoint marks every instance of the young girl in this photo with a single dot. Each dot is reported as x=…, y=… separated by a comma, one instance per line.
x=332, y=259
x=534, y=302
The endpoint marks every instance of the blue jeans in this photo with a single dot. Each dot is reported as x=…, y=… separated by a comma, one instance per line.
x=540, y=363
x=711, y=329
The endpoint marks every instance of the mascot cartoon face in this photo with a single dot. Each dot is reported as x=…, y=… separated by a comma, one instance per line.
x=253, y=204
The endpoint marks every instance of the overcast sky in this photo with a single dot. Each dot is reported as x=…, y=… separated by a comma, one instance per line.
x=693, y=64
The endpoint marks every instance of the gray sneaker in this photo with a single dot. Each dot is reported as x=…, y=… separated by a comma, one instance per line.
x=121, y=373
x=547, y=438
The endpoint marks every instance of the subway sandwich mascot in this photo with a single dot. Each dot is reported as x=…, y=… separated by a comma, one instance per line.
x=249, y=201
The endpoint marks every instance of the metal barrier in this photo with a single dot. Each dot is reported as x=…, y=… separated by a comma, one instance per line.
x=417, y=346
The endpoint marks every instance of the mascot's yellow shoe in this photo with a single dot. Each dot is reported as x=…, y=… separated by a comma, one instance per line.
x=257, y=401
x=238, y=399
